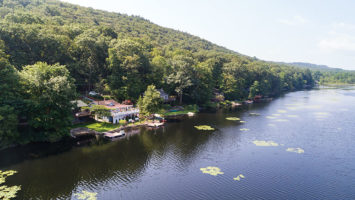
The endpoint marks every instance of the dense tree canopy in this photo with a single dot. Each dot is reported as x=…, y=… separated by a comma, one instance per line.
x=9, y=99
x=49, y=49
x=49, y=90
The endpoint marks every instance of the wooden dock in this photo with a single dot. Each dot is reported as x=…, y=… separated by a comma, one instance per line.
x=155, y=124
x=112, y=135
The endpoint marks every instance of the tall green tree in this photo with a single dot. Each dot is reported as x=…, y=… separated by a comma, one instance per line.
x=10, y=100
x=151, y=101
x=181, y=77
x=89, y=50
x=254, y=89
x=129, y=65
x=49, y=90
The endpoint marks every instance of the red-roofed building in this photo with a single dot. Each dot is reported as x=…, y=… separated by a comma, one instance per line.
x=118, y=111
x=113, y=105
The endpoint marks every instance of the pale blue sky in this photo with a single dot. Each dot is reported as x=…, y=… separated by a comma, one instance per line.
x=316, y=31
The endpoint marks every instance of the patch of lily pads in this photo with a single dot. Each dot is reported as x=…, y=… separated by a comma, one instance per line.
x=239, y=177
x=254, y=114
x=321, y=113
x=282, y=120
x=86, y=195
x=293, y=108
x=242, y=121
x=244, y=129
x=282, y=111
x=6, y=192
x=233, y=118
x=295, y=150
x=204, y=128
x=263, y=143
x=214, y=171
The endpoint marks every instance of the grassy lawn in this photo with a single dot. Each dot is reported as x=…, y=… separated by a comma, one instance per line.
x=98, y=126
x=178, y=112
x=103, y=127
x=182, y=112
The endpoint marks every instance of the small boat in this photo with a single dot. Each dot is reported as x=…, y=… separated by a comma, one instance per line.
x=114, y=134
x=248, y=102
x=155, y=124
x=190, y=114
x=235, y=104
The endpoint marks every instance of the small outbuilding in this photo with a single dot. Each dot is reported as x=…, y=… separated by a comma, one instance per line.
x=163, y=95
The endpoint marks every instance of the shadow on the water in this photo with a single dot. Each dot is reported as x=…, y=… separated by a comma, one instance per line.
x=54, y=170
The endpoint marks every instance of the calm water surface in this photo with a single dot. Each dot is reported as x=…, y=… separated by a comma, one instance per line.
x=165, y=163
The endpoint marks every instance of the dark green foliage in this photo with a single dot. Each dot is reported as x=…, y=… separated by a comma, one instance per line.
x=48, y=43
x=335, y=77
x=10, y=100
x=48, y=90
x=151, y=102
x=255, y=89
x=129, y=65
x=182, y=74
x=100, y=111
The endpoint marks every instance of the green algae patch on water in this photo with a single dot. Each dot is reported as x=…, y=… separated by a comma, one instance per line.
x=282, y=111
x=214, y=171
x=270, y=117
x=276, y=114
x=5, y=174
x=295, y=150
x=293, y=116
x=233, y=118
x=282, y=120
x=244, y=129
x=263, y=143
x=204, y=128
x=86, y=195
x=293, y=108
x=6, y=192
x=239, y=177
x=254, y=114
x=272, y=125
x=242, y=121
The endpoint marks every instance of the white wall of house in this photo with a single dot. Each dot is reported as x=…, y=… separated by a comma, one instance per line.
x=117, y=116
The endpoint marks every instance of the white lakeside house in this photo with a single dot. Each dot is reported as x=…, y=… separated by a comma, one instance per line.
x=118, y=111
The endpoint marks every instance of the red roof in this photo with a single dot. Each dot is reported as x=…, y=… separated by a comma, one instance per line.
x=112, y=104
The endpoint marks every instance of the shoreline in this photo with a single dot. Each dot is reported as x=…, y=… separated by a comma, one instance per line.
x=123, y=127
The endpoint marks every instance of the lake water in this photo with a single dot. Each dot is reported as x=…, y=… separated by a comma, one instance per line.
x=165, y=163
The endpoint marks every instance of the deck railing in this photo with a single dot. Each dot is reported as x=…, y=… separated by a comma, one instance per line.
x=128, y=112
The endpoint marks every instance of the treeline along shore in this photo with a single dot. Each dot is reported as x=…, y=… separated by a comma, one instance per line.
x=52, y=52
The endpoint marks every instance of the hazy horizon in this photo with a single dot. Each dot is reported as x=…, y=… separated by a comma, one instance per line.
x=272, y=31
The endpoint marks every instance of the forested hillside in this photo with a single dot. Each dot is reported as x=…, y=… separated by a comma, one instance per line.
x=50, y=49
